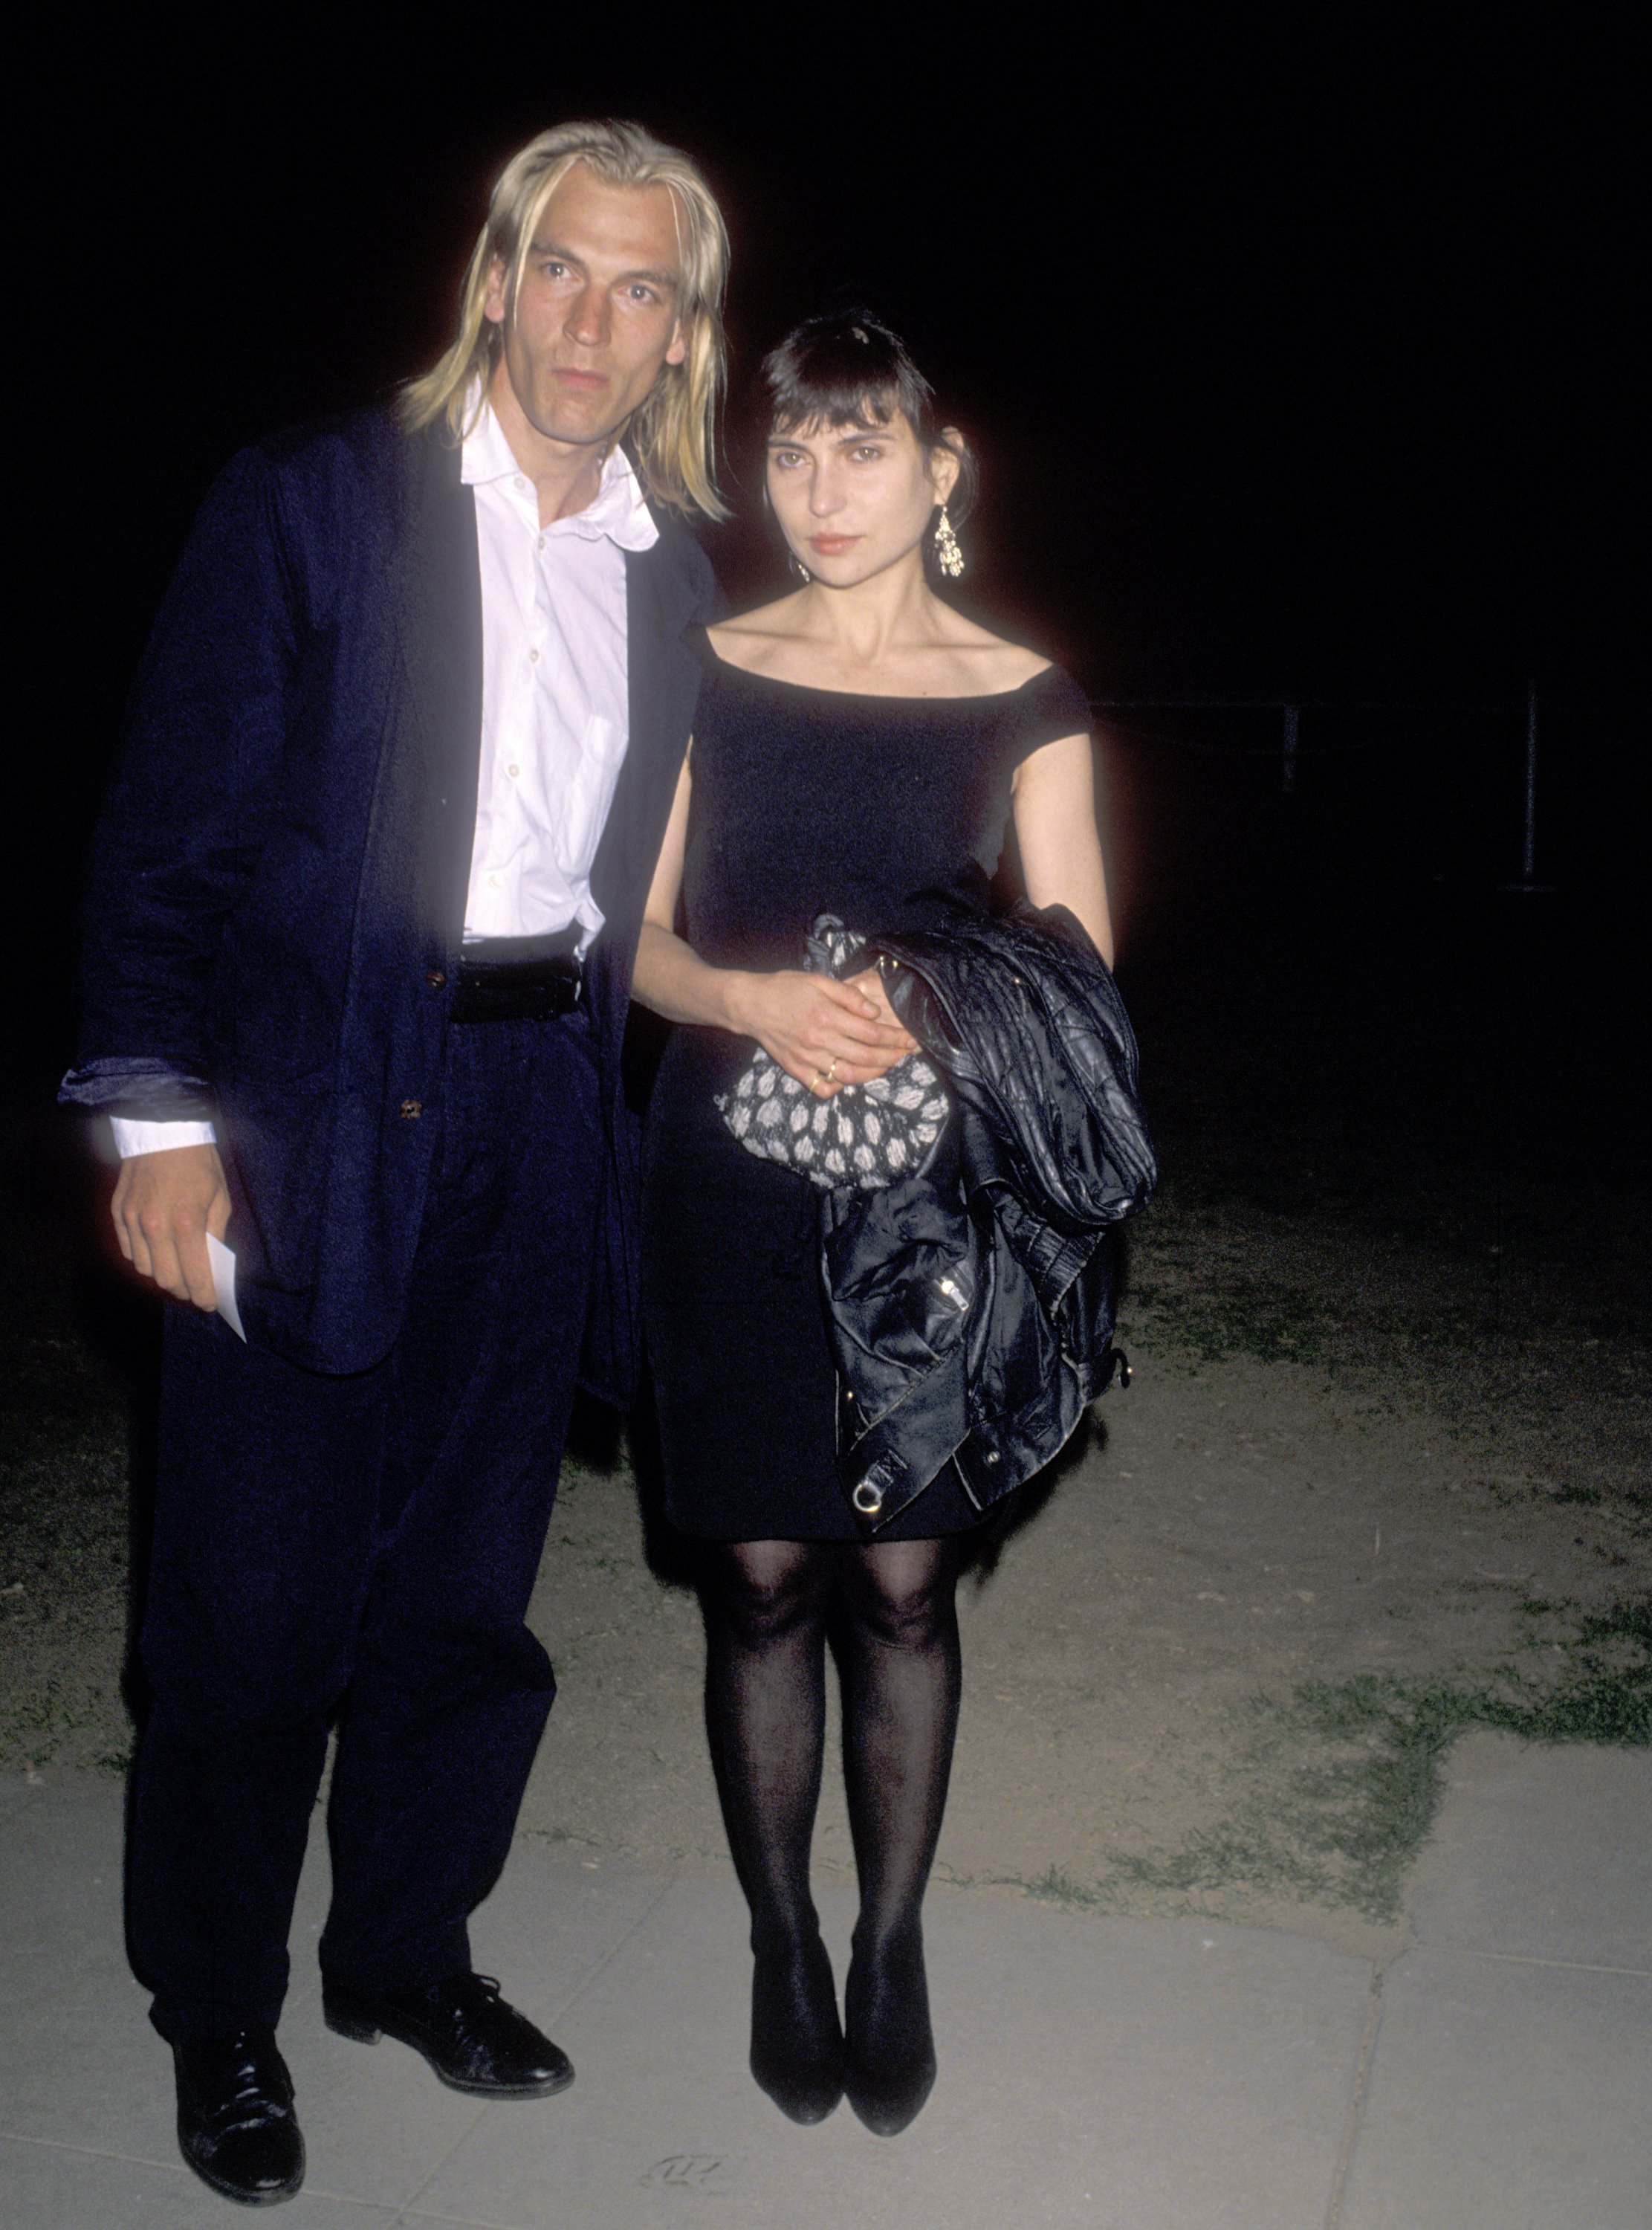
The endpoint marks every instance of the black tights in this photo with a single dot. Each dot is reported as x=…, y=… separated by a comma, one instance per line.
x=890, y=1606
x=769, y=1603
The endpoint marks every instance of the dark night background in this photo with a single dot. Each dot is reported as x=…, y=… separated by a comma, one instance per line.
x=1305, y=364
x=1305, y=354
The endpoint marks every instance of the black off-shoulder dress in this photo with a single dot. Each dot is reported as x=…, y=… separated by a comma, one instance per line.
x=804, y=802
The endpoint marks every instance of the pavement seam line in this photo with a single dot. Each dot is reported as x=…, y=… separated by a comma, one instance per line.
x=465, y=2221
x=409, y=2205
x=1355, y=2114
x=93, y=2152
x=1569, y=1966
x=181, y=2168
x=613, y=1953
x=438, y=2164
x=386, y=2206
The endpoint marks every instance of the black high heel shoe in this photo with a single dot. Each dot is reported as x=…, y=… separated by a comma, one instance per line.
x=796, y=2039
x=890, y=2055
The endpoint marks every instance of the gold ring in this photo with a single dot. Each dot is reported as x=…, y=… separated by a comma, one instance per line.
x=819, y=1078
x=832, y=1072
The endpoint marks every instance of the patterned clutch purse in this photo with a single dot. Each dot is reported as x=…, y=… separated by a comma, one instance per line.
x=866, y=1135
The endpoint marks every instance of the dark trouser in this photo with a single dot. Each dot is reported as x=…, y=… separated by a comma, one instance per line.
x=363, y=1548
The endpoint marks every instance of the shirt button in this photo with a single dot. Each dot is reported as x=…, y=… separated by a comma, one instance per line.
x=493, y=882
x=513, y=771
x=533, y=658
x=520, y=482
x=411, y=1109
x=436, y=978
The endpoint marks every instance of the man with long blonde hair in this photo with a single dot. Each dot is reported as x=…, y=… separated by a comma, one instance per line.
x=362, y=909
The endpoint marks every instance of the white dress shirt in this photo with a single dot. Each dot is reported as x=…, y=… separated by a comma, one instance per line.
x=554, y=715
x=555, y=718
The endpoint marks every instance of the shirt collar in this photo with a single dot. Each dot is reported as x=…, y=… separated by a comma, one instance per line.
x=617, y=512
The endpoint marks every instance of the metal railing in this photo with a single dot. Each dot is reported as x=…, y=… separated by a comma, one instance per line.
x=1290, y=749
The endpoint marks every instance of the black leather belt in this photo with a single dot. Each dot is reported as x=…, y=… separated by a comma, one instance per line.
x=518, y=979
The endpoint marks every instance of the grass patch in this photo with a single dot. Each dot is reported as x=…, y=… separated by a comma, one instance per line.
x=63, y=1557
x=63, y=1511
x=1055, y=1887
x=1445, y=1329
x=1262, y=1318
x=1342, y=1783
x=34, y=1727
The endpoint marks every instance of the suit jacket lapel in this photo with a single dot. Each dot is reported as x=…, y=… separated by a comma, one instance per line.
x=440, y=623
x=662, y=682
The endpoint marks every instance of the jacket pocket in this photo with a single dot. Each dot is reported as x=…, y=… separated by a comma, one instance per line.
x=279, y=1137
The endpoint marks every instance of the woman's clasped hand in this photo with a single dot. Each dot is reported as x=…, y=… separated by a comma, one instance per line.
x=826, y=1032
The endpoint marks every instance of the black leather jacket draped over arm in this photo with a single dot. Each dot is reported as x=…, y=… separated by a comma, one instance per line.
x=972, y=1308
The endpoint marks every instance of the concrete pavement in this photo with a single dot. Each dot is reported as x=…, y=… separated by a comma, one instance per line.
x=1112, y=2074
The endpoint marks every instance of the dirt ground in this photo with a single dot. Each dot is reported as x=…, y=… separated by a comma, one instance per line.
x=1196, y=1669
x=1237, y=1530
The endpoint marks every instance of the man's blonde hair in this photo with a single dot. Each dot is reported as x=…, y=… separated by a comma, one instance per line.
x=673, y=432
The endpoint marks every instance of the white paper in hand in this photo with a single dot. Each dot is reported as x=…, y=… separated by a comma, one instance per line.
x=223, y=1260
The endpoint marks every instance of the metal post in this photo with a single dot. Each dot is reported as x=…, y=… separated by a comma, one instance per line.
x=1528, y=882
x=1529, y=859
x=1287, y=749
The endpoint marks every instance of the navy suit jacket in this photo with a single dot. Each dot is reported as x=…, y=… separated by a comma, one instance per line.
x=278, y=885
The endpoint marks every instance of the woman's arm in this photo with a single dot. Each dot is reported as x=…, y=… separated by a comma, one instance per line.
x=1053, y=801
x=824, y=1033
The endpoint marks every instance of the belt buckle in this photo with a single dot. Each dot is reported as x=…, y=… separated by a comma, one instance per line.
x=533, y=992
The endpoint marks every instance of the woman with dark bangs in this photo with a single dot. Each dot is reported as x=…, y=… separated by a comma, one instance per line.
x=858, y=749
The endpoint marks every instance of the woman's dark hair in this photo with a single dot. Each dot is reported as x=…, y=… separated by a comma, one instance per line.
x=848, y=370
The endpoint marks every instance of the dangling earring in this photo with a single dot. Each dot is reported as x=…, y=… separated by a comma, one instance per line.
x=947, y=556
x=801, y=569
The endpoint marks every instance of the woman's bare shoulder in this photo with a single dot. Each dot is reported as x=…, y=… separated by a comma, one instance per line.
x=754, y=639
x=952, y=656
x=1002, y=665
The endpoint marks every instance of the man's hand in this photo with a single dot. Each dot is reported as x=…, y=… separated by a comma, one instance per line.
x=163, y=1207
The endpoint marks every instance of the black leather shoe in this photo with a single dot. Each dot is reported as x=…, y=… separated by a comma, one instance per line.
x=236, y=2125
x=464, y=2029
